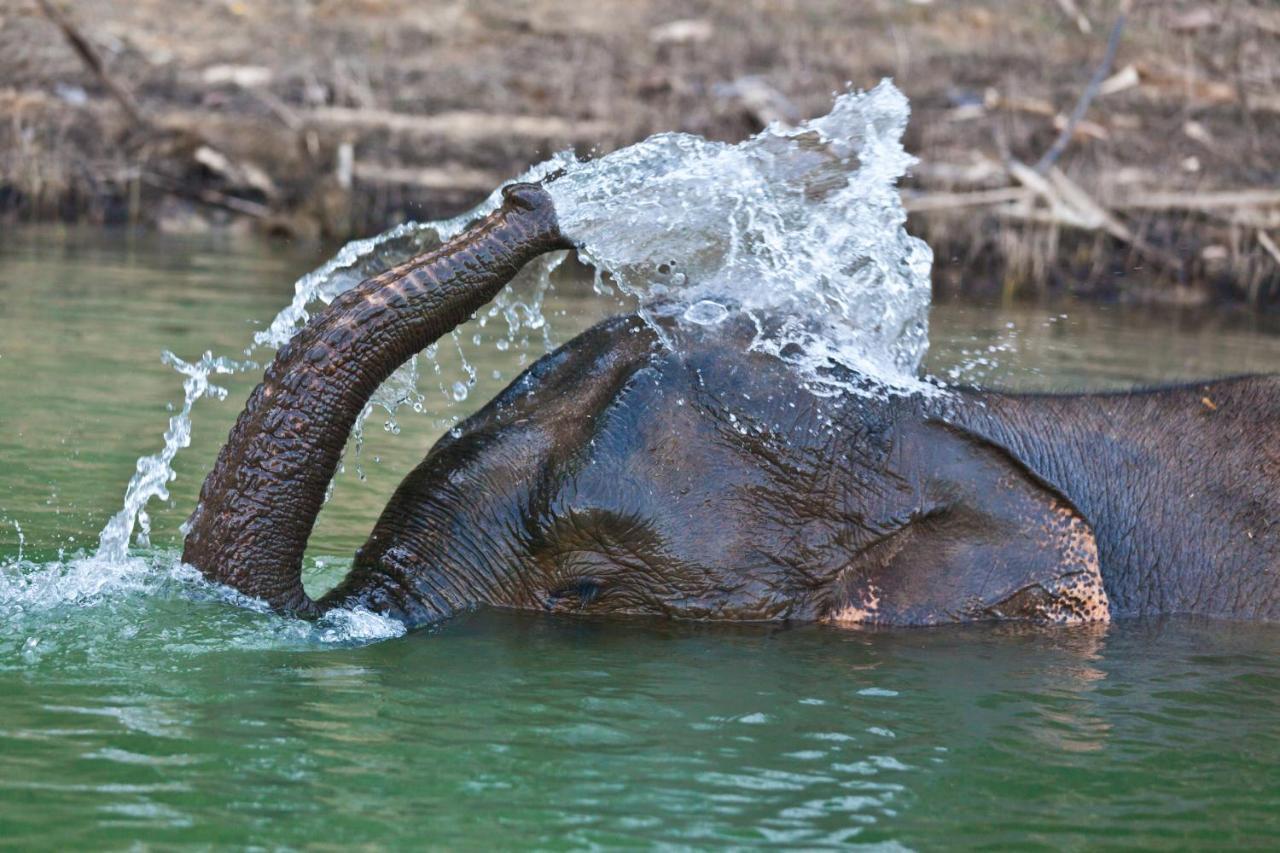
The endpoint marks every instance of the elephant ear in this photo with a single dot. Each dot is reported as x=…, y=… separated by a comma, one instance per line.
x=985, y=540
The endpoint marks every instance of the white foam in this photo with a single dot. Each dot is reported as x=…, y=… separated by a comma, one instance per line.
x=348, y=625
x=802, y=228
x=88, y=602
x=153, y=473
x=27, y=586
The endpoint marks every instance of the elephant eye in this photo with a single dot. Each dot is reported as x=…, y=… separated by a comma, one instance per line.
x=577, y=593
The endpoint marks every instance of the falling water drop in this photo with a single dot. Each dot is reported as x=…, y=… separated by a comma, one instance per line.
x=706, y=312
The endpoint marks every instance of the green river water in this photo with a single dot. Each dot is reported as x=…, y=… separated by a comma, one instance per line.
x=140, y=709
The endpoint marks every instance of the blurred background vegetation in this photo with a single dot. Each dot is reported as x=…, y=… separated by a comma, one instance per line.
x=1064, y=144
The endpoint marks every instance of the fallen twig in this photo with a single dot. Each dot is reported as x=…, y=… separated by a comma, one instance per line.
x=1265, y=241
x=1201, y=200
x=1100, y=74
x=926, y=202
x=93, y=61
x=461, y=125
x=1068, y=204
x=211, y=197
x=1072, y=11
x=993, y=100
x=452, y=178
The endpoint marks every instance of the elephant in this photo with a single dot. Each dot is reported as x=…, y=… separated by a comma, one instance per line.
x=618, y=475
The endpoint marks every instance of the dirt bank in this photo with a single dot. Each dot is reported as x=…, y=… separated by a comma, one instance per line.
x=325, y=118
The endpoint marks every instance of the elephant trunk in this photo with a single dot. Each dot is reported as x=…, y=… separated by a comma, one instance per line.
x=259, y=503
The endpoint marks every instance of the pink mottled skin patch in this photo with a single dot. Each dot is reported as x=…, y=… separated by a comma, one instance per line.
x=1068, y=590
x=1077, y=595
x=858, y=614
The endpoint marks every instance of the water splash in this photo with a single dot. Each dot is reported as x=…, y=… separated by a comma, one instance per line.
x=105, y=601
x=977, y=364
x=343, y=625
x=153, y=473
x=125, y=566
x=26, y=586
x=801, y=228
x=362, y=259
x=355, y=262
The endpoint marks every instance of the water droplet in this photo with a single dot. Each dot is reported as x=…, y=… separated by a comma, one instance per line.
x=706, y=313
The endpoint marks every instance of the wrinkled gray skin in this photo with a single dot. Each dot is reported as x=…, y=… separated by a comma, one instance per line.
x=618, y=476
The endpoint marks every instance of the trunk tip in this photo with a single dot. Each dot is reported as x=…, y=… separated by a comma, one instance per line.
x=527, y=196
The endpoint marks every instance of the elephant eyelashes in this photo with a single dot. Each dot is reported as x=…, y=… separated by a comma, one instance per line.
x=576, y=594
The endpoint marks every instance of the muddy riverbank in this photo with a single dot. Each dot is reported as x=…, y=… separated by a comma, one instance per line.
x=319, y=120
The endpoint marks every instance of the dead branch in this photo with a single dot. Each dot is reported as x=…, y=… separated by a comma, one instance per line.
x=930, y=202
x=1069, y=205
x=451, y=178
x=1072, y=11
x=1100, y=74
x=1201, y=201
x=1265, y=241
x=202, y=151
x=210, y=197
x=461, y=125
x=93, y=61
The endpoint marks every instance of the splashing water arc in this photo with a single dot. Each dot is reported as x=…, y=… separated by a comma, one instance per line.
x=801, y=228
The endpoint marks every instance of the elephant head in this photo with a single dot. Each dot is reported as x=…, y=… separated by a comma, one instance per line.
x=618, y=475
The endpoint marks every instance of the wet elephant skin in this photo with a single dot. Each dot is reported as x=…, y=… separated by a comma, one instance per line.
x=620, y=476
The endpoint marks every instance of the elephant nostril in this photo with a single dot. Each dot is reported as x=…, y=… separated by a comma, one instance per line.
x=579, y=592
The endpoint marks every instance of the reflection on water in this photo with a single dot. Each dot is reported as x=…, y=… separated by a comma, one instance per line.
x=1075, y=347
x=513, y=729
x=161, y=714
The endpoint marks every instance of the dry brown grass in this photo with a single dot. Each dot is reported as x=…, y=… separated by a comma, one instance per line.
x=326, y=117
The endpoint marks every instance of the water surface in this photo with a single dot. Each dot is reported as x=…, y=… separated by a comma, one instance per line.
x=142, y=707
